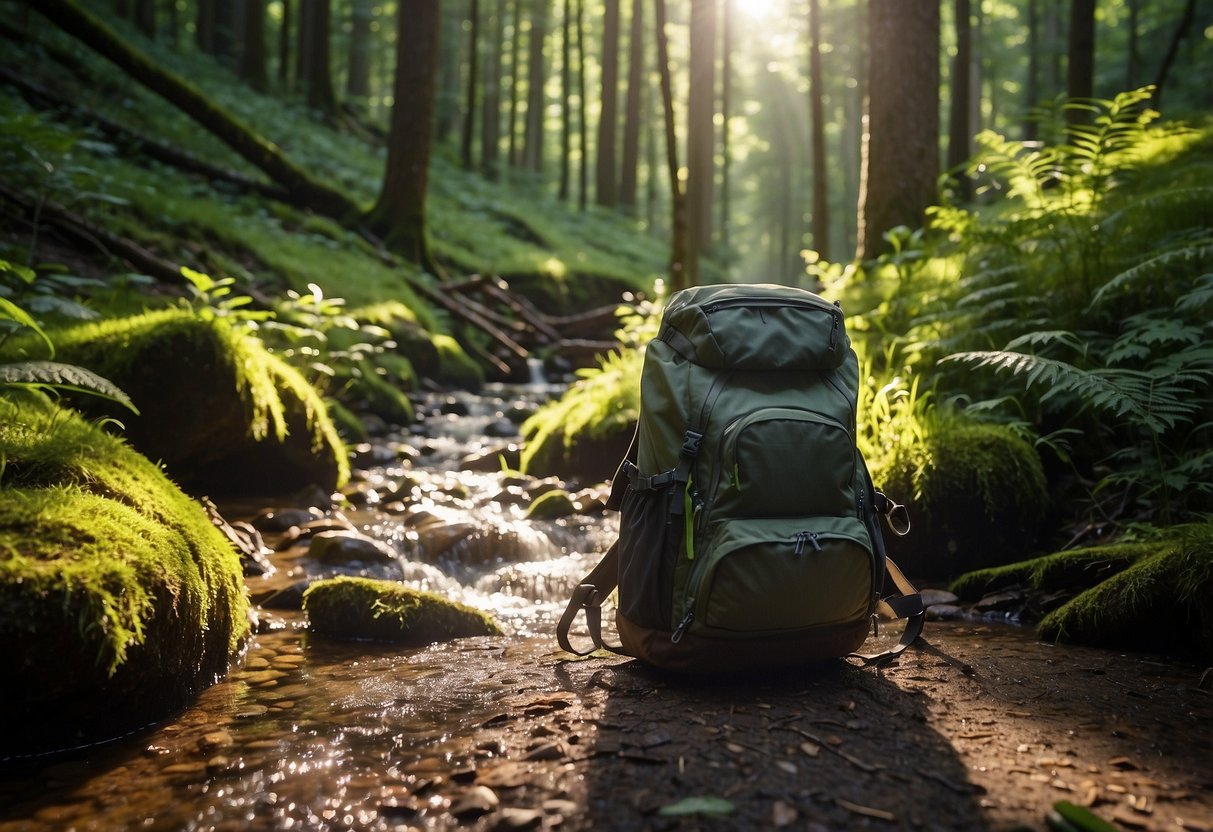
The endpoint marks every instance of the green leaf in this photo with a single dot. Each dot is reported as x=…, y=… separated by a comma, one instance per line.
x=63, y=377
x=709, y=806
x=10, y=310
x=1069, y=816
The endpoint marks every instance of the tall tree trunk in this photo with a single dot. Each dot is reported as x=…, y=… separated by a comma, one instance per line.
x=630, y=163
x=122, y=9
x=304, y=44
x=958, y=111
x=174, y=25
x=1032, y=82
x=358, y=79
x=728, y=13
x=977, y=70
x=821, y=209
x=1056, y=35
x=284, y=47
x=225, y=29
x=1080, y=72
x=145, y=17
x=901, y=136
x=449, y=94
x=515, y=85
x=254, y=149
x=320, y=95
x=1133, y=58
x=252, y=65
x=605, y=192
x=701, y=163
x=583, y=130
x=680, y=243
x=536, y=77
x=490, y=121
x=1164, y=69
x=469, y=108
x=566, y=99
x=204, y=26
x=399, y=214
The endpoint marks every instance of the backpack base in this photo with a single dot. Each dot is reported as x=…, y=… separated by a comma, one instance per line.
x=697, y=654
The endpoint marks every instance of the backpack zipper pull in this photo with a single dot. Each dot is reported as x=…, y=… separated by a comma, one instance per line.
x=676, y=636
x=811, y=537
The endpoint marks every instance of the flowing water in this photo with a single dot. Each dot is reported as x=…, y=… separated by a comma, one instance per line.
x=309, y=733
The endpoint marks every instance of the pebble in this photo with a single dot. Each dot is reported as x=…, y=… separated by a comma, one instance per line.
x=476, y=801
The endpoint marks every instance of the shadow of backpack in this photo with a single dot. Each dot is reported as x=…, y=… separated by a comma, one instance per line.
x=749, y=526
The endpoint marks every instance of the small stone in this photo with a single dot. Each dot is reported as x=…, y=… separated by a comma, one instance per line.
x=475, y=802
x=214, y=740
x=339, y=546
x=511, y=818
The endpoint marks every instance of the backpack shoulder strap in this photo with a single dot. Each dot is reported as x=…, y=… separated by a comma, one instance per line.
x=588, y=596
x=905, y=603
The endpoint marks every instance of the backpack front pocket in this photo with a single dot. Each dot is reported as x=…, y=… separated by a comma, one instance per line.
x=781, y=462
x=649, y=540
x=780, y=576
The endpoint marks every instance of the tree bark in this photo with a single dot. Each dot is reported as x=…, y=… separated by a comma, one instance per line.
x=536, y=77
x=225, y=29
x=566, y=101
x=252, y=65
x=701, y=133
x=145, y=17
x=1080, y=72
x=515, y=57
x=583, y=169
x=320, y=95
x=1032, y=82
x=1133, y=54
x=958, y=110
x=399, y=214
x=1164, y=69
x=633, y=108
x=900, y=152
x=358, y=79
x=204, y=26
x=490, y=120
x=605, y=192
x=821, y=215
x=284, y=47
x=253, y=148
x=469, y=109
x=680, y=246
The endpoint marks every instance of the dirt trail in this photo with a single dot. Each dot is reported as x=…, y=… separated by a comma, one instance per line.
x=980, y=728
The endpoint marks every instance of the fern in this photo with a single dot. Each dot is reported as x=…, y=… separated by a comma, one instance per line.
x=52, y=375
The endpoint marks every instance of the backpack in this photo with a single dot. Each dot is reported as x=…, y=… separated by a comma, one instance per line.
x=749, y=533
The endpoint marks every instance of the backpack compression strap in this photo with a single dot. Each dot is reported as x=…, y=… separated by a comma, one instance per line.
x=907, y=604
x=588, y=596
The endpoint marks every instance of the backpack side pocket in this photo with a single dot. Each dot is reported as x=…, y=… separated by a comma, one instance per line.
x=649, y=538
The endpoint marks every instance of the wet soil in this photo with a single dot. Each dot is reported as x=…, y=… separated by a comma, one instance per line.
x=980, y=727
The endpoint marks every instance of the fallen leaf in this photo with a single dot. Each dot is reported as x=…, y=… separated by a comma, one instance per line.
x=790, y=768
x=708, y=806
x=783, y=815
x=810, y=749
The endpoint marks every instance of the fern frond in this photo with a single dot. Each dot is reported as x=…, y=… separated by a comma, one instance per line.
x=1186, y=260
x=58, y=376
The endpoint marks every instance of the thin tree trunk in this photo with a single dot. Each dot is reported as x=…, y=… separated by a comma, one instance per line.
x=1080, y=72
x=449, y=101
x=320, y=94
x=821, y=209
x=145, y=17
x=630, y=163
x=469, y=109
x=399, y=214
x=1133, y=61
x=1032, y=82
x=358, y=79
x=204, y=27
x=284, y=47
x=515, y=50
x=174, y=25
x=252, y=66
x=728, y=10
x=254, y=149
x=605, y=189
x=225, y=19
x=701, y=164
x=304, y=43
x=1164, y=69
x=566, y=100
x=680, y=246
x=490, y=121
x=583, y=132
x=532, y=138
x=1056, y=45
x=958, y=113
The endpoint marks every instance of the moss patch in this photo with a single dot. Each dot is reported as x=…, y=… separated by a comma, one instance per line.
x=977, y=496
x=1160, y=602
x=1075, y=569
x=222, y=413
x=118, y=597
x=365, y=608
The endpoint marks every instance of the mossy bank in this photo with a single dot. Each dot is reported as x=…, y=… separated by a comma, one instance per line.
x=118, y=597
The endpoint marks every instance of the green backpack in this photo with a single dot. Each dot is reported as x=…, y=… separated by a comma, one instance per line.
x=749, y=533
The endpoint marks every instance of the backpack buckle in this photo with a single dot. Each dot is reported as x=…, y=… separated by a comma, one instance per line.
x=690, y=443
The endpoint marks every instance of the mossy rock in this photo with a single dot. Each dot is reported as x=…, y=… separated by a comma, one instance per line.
x=551, y=505
x=1159, y=603
x=365, y=608
x=977, y=496
x=118, y=597
x=586, y=458
x=1073, y=570
x=224, y=415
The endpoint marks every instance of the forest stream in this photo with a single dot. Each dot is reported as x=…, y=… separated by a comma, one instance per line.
x=981, y=726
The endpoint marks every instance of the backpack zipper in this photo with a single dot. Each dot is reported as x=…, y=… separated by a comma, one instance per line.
x=801, y=537
x=835, y=312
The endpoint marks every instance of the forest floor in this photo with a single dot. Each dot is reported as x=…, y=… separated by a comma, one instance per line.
x=980, y=727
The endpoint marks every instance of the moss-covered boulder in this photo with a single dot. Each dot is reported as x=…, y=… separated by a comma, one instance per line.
x=118, y=597
x=224, y=415
x=365, y=608
x=1159, y=603
x=977, y=496
x=585, y=433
